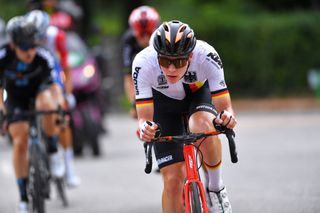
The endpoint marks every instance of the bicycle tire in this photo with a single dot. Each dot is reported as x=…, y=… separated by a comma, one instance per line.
x=92, y=134
x=36, y=180
x=59, y=182
x=194, y=195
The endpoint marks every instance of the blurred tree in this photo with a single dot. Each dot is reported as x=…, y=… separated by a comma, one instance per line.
x=275, y=5
x=128, y=6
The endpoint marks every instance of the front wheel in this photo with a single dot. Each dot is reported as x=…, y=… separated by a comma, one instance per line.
x=61, y=190
x=194, y=197
x=38, y=180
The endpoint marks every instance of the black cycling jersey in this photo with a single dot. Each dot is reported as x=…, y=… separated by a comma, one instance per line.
x=130, y=48
x=21, y=80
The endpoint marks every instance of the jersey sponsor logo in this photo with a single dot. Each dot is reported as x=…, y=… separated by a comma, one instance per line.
x=190, y=76
x=206, y=108
x=163, y=87
x=215, y=57
x=135, y=79
x=164, y=159
x=162, y=80
x=222, y=83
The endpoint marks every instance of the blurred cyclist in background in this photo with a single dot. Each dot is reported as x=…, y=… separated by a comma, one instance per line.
x=142, y=21
x=26, y=75
x=65, y=14
x=54, y=40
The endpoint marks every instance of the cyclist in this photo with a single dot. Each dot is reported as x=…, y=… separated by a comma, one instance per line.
x=142, y=21
x=54, y=40
x=180, y=75
x=25, y=74
x=64, y=14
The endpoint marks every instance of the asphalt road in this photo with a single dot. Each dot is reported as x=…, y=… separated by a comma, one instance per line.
x=278, y=169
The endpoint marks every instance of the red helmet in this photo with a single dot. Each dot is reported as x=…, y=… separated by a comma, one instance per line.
x=144, y=20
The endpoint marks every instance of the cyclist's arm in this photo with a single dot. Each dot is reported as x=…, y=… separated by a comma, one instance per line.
x=219, y=91
x=145, y=113
x=147, y=128
x=2, y=65
x=223, y=104
x=142, y=79
x=2, y=107
x=63, y=53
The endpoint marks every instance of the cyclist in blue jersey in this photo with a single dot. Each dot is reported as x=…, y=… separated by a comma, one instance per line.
x=26, y=75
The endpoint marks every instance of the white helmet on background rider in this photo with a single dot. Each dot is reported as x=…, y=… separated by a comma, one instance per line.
x=41, y=20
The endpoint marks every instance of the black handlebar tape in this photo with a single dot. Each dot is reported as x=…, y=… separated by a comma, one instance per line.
x=148, y=149
x=232, y=147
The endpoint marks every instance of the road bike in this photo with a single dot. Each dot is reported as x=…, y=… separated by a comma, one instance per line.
x=38, y=186
x=194, y=194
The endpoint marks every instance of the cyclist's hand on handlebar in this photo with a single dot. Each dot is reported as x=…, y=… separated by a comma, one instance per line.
x=226, y=119
x=70, y=100
x=148, y=131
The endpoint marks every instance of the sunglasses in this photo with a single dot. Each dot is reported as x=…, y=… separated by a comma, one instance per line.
x=177, y=62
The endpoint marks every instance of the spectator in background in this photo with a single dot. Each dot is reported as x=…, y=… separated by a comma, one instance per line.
x=142, y=21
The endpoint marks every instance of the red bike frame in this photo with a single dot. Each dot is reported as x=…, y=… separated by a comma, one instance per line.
x=192, y=176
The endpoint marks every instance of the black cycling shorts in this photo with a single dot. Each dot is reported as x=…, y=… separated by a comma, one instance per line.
x=14, y=105
x=170, y=114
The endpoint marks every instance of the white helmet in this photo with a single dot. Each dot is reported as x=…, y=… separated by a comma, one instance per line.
x=41, y=20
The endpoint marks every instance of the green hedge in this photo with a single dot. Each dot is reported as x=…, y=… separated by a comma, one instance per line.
x=263, y=54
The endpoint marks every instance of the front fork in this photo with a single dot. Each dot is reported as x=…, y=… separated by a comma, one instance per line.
x=192, y=176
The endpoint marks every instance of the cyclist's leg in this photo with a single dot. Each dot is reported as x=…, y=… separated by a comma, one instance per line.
x=173, y=181
x=170, y=155
x=202, y=114
x=19, y=134
x=210, y=148
x=65, y=135
x=45, y=101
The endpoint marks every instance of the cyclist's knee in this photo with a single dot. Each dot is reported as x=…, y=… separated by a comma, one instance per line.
x=57, y=94
x=173, y=177
x=20, y=142
x=45, y=101
x=19, y=134
x=201, y=121
x=173, y=185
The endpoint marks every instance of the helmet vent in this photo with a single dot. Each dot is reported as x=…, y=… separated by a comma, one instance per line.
x=182, y=29
x=166, y=28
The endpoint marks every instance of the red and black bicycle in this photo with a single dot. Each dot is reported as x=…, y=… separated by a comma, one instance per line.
x=194, y=194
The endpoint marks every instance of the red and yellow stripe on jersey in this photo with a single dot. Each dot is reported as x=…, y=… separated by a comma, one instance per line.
x=195, y=86
x=220, y=93
x=144, y=102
